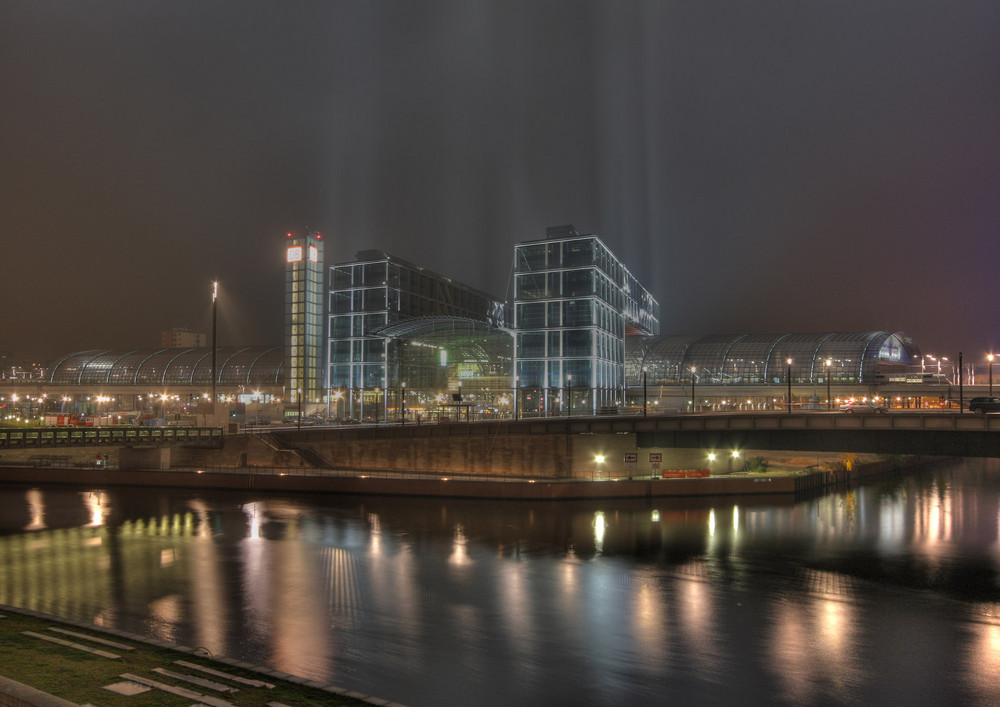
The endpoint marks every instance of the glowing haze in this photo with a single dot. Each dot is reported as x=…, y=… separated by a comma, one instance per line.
x=761, y=167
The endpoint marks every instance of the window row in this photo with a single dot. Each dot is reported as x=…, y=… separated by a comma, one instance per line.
x=569, y=313
x=424, y=285
x=342, y=327
x=575, y=253
x=570, y=342
x=565, y=373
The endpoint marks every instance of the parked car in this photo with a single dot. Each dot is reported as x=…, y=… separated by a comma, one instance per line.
x=853, y=406
x=984, y=405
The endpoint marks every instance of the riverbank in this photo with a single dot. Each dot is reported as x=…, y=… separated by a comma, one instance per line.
x=51, y=662
x=786, y=480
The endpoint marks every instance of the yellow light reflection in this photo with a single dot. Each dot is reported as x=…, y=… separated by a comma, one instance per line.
x=168, y=614
x=207, y=583
x=983, y=659
x=648, y=624
x=36, y=509
x=696, y=618
x=459, y=547
x=814, y=642
x=375, y=534
x=516, y=604
x=600, y=527
x=95, y=505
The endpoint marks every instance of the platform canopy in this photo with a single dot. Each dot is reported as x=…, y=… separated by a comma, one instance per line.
x=749, y=359
x=236, y=365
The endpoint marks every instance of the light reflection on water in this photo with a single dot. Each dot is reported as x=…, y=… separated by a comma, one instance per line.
x=887, y=592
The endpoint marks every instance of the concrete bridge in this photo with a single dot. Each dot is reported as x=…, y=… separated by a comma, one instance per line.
x=578, y=447
x=936, y=433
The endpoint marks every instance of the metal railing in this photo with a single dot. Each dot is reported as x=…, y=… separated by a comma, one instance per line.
x=33, y=437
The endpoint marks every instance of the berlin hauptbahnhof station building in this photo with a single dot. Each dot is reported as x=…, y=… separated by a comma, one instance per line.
x=382, y=339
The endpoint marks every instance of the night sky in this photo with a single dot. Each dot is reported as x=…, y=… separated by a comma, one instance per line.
x=760, y=166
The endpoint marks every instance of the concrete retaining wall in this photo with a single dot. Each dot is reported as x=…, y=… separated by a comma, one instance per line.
x=441, y=486
x=557, y=456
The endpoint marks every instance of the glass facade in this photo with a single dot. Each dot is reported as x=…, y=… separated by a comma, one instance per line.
x=574, y=302
x=368, y=300
x=762, y=359
x=304, y=299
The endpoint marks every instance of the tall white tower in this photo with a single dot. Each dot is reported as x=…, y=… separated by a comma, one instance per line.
x=304, y=266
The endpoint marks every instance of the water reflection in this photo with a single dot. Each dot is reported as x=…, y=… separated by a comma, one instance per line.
x=428, y=601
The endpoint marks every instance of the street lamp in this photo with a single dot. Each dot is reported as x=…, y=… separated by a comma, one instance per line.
x=569, y=386
x=215, y=344
x=961, y=384
x=990, y=359
x=788, y=379
x=517, y=385
x=829, y=402
x=693, y=371
x=644, y=370
x=402, y=403
x=337, y=398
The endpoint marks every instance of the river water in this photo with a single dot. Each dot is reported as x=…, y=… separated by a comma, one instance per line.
x=888, y=593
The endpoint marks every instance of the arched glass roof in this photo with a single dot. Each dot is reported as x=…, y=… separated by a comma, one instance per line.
x=486, y=348
x=748, y=359
x=237, y=365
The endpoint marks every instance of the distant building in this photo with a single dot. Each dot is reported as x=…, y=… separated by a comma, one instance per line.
x=304, y=297
x=574, y=304
x=182, y=338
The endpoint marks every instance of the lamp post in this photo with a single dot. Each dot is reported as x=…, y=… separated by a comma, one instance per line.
x=598, y=460
x=569, y=388
x=829, y=402
x=215, y=348
x=337, y=398
x=788, y=379
x=644, y=370
x=402, y=403
x=961, y=384
x=298, y=422
x=693, y=371
x=517, y=386
x=990, y=359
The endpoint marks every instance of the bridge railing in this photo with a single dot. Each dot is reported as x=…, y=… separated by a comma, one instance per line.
x=900, y=420
x=34, y=437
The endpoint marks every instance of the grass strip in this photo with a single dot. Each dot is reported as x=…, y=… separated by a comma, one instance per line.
x=81, y=677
